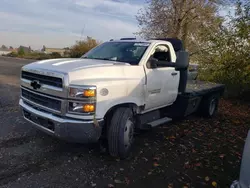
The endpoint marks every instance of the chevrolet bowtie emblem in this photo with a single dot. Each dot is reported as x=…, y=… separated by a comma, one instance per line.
x=35, y=84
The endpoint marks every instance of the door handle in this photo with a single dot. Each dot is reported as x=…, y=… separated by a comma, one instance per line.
x=174, y=73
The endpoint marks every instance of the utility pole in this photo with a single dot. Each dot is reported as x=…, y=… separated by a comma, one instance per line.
x=82, y=32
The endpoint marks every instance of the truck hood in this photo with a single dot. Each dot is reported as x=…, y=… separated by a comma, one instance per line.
x=67, y=65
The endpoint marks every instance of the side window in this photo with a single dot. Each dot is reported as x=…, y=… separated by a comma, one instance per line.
x=162, y=53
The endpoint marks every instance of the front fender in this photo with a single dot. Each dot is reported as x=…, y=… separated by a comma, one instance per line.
x=104, y=106
x=131, y=91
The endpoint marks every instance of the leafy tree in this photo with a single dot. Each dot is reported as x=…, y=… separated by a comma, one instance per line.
x=12, y=54
x=81, y=47
x=4, y=47
x=21, y=51
x=227, y=58
x=56, y=55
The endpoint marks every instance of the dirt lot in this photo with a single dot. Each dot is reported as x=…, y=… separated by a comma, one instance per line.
x=192, y=153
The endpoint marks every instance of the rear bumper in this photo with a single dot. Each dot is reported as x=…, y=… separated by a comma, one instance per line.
x=72, y=130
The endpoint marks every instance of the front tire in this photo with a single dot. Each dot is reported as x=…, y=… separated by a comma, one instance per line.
x=121, y=132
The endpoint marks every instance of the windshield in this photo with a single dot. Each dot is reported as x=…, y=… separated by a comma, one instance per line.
x=128, y=52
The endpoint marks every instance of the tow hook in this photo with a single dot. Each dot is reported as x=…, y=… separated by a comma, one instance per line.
x=95, y=122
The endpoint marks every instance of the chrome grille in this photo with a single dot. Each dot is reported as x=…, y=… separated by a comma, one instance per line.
x=43, y=79
x=41, y=100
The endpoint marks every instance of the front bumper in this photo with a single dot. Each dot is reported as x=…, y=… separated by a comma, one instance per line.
x=72, y=130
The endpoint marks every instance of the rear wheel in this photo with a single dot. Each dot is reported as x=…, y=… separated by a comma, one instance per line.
x=209, y=107
x=121, y=132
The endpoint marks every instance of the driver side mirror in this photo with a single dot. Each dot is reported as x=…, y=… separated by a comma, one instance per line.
x=182, y=61
x=152, y=63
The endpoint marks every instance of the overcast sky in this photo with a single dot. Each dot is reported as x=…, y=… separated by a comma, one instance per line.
x=59, y=23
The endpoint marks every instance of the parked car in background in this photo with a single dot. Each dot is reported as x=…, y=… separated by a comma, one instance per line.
x=244, y=179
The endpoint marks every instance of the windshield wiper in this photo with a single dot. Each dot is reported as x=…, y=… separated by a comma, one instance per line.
x=108, y=59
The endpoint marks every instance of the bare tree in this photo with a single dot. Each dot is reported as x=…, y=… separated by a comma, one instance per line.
x=185, y=19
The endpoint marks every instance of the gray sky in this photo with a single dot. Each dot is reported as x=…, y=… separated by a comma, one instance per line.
x=59, y=23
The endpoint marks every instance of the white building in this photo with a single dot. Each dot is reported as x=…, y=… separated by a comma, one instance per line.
x=4, y=52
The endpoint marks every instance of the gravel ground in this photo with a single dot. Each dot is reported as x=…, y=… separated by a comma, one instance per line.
x=194, y=152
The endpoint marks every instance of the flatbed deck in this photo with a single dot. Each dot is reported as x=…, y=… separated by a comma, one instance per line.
x=200, y=88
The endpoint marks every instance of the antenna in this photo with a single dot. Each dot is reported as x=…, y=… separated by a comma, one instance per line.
x=82, y=32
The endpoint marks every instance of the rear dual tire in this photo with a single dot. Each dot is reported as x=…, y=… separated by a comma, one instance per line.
x=209, y=106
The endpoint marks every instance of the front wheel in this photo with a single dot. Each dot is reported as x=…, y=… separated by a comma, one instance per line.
x=121, y=132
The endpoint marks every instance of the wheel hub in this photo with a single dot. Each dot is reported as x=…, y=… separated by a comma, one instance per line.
x=128, y=133
x=212, y=106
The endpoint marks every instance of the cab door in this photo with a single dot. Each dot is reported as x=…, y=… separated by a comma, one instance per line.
x=162, y=82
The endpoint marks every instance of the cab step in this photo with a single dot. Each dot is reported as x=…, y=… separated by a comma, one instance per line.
x=159, y=121
x=151, y=119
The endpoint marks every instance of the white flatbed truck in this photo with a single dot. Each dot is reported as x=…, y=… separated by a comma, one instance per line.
x=114, y=89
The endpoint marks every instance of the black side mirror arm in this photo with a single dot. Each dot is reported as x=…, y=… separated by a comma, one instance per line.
x=153, y=63
x=166, y=64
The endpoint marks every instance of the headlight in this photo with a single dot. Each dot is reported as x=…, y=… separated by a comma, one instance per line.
x=82, y=92
x=77, y=107
x=83, y=99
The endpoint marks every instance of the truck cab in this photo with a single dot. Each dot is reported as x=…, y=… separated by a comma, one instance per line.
x=114, y=89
